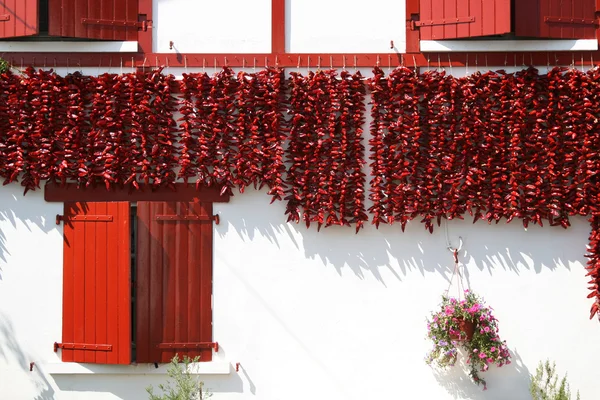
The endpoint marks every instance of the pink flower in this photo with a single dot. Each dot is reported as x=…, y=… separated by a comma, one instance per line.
x=490, y=360
x=487, y=328
x=481, y=355
x=493, y=349
x=449, y=310
x=475, y=350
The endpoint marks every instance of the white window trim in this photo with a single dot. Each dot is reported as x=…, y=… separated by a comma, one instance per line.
x=201, y=368
x=69, y=47
x=470, y=46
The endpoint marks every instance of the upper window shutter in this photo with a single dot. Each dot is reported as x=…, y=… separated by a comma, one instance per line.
x=98, y=19
x=565, y=19
x=174, y=281
x=96, y=283
x=18, y=18
x=453, y=19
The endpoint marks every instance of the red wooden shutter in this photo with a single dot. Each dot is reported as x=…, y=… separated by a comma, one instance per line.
x=453, y=19
x=174, y=281
x=556, y=19
x=98, y=19
x=18, y=18
x=96, y=283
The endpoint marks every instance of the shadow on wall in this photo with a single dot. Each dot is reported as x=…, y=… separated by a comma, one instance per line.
x=13, y=355
x=134, y=386
x=488, y=247
x=16, y=208
x=459, y=385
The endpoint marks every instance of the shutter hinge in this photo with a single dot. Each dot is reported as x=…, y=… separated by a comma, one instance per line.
x=82, y=346
x=447, y=21
x=4, y=17
x=143, y=24
x=83, y=218
x=570, y=21
x=198, y=218
x=196, y=345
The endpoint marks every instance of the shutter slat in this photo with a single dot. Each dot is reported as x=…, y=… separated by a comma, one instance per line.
x=175, y=261
x=18, y=18
x=101, y=285
x=96, y=294
x=99, y=19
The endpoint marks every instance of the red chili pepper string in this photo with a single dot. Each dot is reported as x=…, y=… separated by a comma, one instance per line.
x=380, y=95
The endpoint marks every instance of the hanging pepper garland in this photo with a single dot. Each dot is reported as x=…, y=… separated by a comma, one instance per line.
x=233, y=130
x=325, y=153
x=494, y=145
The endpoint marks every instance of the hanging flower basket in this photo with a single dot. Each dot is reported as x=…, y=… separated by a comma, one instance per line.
x=465, y=331
x=467, y=324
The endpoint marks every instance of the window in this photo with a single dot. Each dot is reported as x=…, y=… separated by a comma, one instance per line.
x=137, y=283
x=98, y=20
x=530, y=19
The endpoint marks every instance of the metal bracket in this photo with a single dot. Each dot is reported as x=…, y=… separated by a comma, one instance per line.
x=447, y=21
x=4, y=17
x=570, y=21
x=198, y=345
x=83, y=218
x=198, y=218
x=142, y=25
x=82, y=346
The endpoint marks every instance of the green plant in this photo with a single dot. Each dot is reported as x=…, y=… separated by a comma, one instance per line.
x=184, y=385
x=482, y=349
x=4, y=66
x=544, y=384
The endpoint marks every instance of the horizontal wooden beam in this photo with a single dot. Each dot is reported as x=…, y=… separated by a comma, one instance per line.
x=182, y=192
x=118, y=62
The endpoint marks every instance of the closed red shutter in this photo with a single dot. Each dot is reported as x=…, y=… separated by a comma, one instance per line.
x=98, y=19
x=453, y=19
x=18, y=18
x=556, y=19
x=174, y=281
x=96, y=283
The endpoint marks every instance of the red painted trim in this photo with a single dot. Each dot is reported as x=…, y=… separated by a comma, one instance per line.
x=412, y=34
x=291, y=60
x=277, y=26
x=145, y=37
x=70, y=192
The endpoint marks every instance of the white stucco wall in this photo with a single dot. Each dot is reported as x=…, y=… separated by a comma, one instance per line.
x=328, y=315
x=312, y=315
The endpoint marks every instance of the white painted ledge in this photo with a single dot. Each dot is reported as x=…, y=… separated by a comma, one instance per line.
x=203, y=368
x=470, y=46
x=70, y=47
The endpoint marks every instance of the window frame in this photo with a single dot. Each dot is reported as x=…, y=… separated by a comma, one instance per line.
x=69, y=193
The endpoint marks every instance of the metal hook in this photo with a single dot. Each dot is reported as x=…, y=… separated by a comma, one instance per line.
x=215, y=60
x=505, y=59
x=132, y=65
x=184, y=63
x=331, y=62
x=276, y=61
x=582, y=69
x=204, y=65
x=389, y=63
x=460, y=244
x=266, y=62
x=439, y=63
x=297, y=67
x=450, y=64
x=121, y=72
x=428, y=60
x=467, y=65
x=416, y=68
x=308, y=64
x=355, y=64
x=344, y=62
x=225, y=62
x=377, y=60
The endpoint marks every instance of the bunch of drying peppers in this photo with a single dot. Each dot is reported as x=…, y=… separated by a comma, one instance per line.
x=494, y=145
